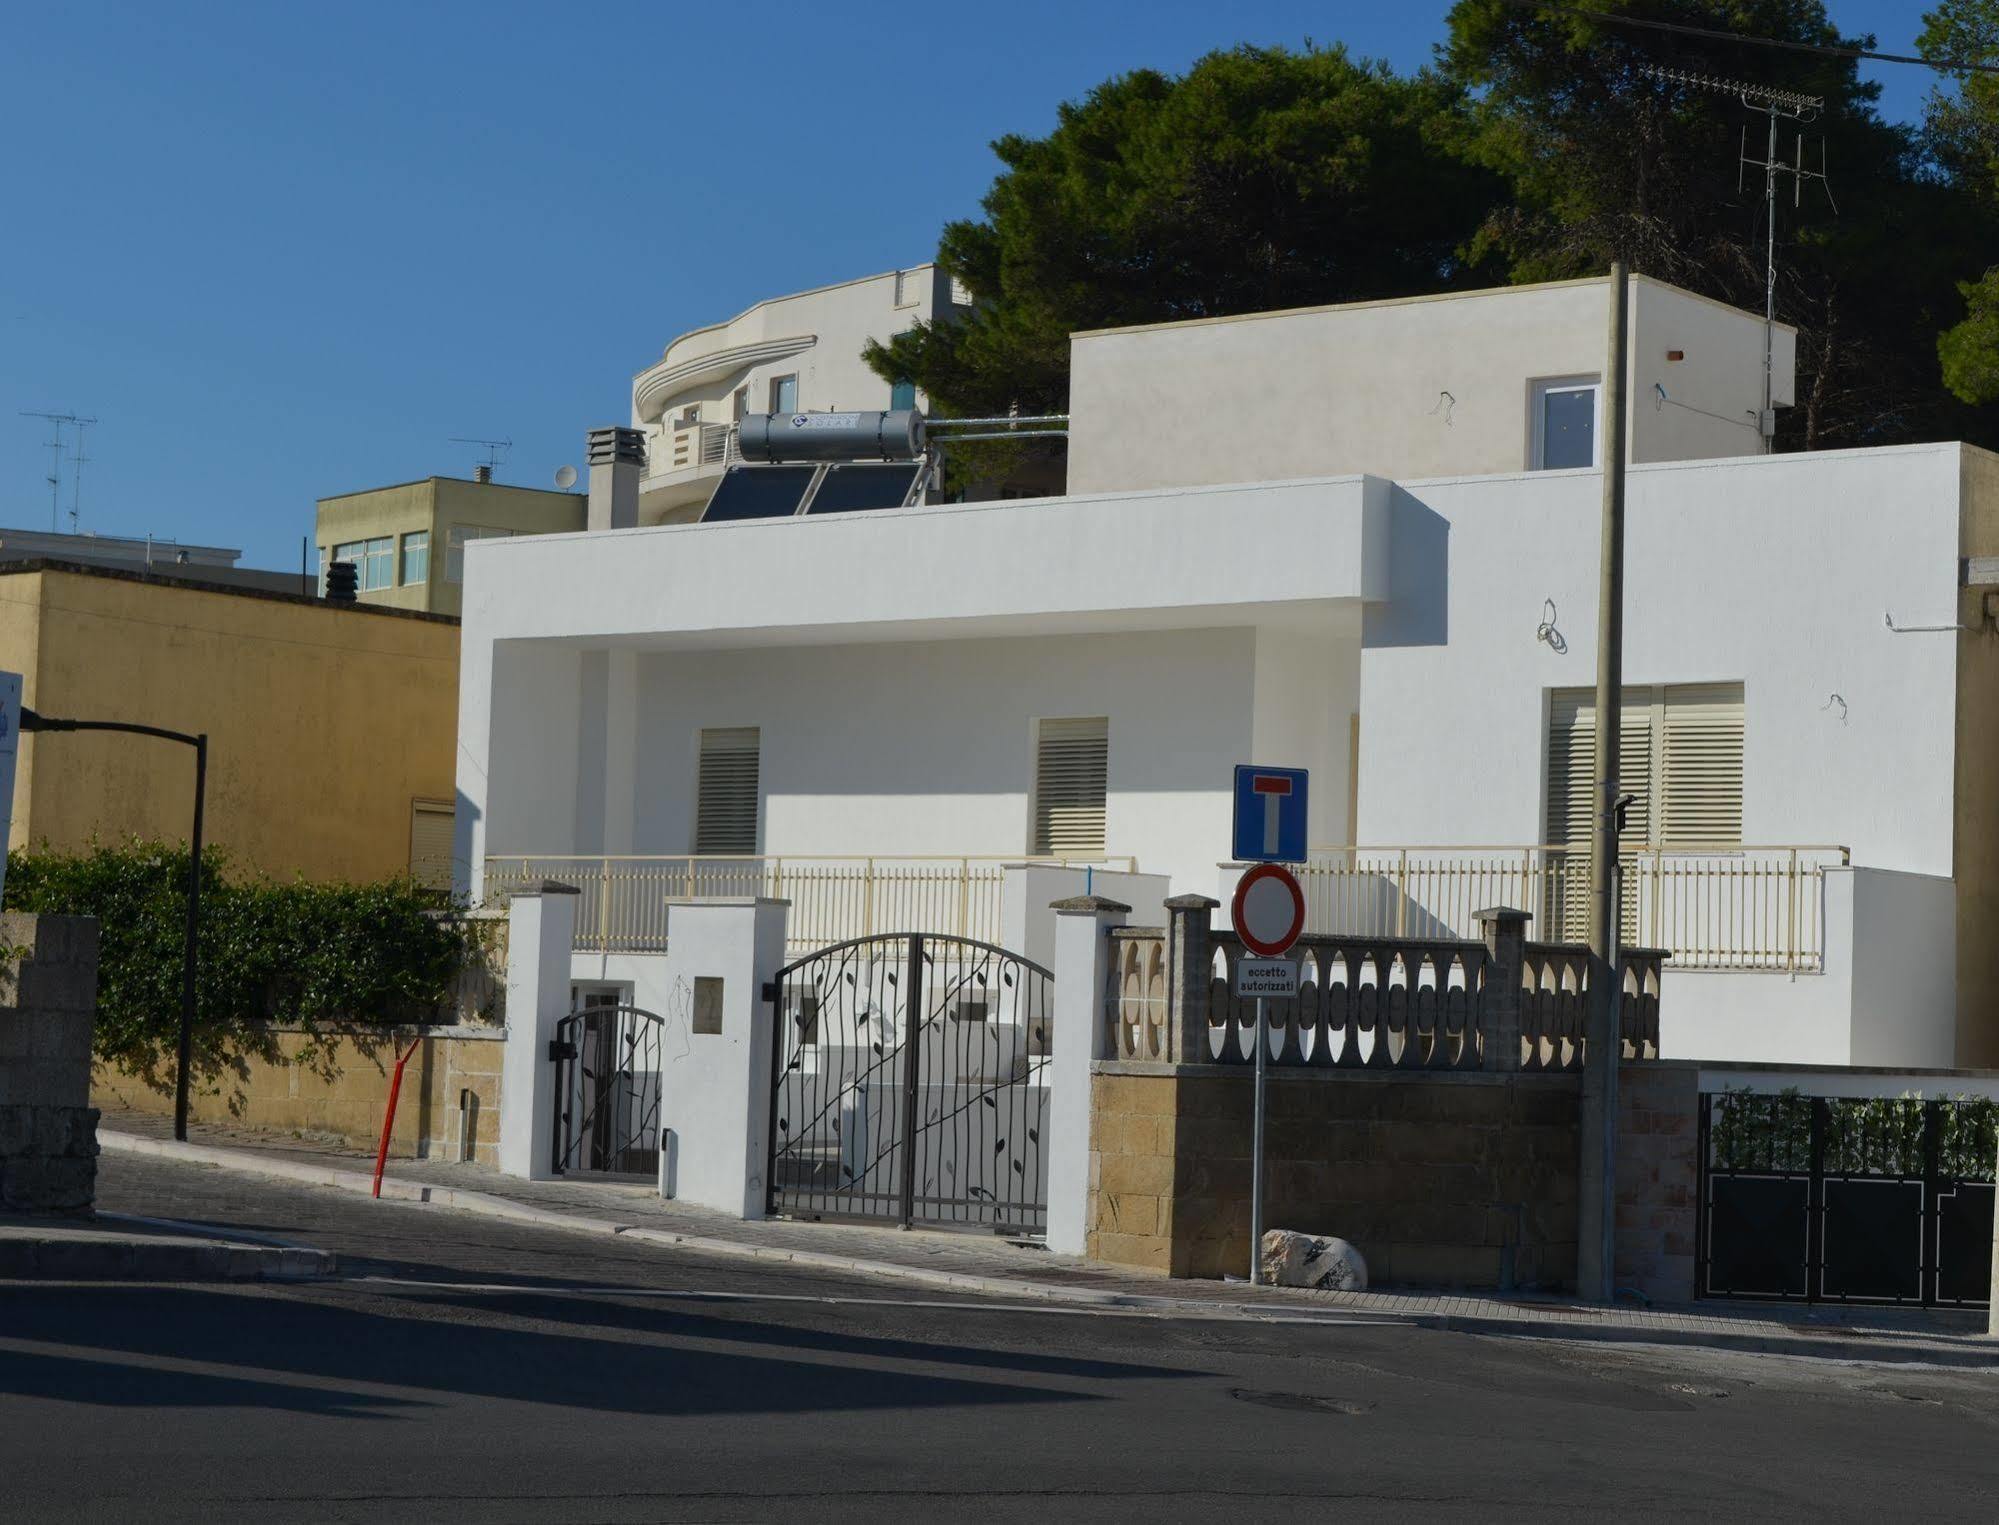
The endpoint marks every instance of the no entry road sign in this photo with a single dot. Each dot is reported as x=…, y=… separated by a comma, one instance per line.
x=1269, y=814
x=1268, y=909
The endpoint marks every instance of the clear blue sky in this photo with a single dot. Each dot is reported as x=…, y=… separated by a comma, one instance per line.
x=287, y=251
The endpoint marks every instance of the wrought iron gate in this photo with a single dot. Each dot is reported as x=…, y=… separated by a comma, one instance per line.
x=607, y=1092
x=1846, y=1199
x=910, y=1082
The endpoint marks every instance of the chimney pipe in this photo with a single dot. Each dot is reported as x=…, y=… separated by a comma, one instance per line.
x=342, y=579
x=482, y=473
x=617, y=459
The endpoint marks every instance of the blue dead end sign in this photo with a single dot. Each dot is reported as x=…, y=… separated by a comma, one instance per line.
x=1269, y=814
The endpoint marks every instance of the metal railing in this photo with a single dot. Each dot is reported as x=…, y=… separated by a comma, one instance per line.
x=623, y=899
x=698, y=444
x=1735, y=908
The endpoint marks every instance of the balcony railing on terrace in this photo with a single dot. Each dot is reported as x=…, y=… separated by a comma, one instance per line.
x=623, y=904
x=1739, y=908
x=698, y=444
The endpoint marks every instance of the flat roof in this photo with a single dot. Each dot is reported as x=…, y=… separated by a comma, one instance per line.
x=362, y=492
x=199, y=585
x=1411, y=301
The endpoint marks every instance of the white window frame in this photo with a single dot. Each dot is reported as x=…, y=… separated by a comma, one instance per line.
x=1537, y=418
x=403, y=557
x=380, y=556
x=778, y=381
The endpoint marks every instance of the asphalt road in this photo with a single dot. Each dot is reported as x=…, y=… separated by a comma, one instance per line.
x=467, y=1367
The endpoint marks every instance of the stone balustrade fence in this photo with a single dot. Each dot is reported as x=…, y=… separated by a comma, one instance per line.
x=1374, y=1003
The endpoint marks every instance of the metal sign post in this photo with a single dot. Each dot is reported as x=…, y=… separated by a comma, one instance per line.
x=1268, y=911
x=10, y=741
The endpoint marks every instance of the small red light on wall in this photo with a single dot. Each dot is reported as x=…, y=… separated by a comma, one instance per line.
x=1676, y=354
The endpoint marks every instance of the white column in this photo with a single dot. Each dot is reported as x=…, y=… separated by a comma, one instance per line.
x=541, y=927
x=716, y=1051
x=1082, y=968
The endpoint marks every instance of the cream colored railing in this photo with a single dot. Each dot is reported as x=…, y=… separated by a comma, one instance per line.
x=698, y=444
x=1742, y=908
x=624, y=899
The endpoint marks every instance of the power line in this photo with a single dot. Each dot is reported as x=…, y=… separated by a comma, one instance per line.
x=1942, y=65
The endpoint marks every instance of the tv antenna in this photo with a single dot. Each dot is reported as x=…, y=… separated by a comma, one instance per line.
x=77, y=458
x=496, y=452
x=1793, y=107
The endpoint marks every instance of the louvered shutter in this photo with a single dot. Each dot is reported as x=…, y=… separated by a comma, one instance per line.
x=1572, y=803
x=431, y=824
x=725, y=818
x=1700, y=786
x=1071, y=773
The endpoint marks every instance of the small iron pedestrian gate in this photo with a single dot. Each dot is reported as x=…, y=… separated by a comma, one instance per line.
x=910, y=1082
x=607, y=1092
x=1846, y=1199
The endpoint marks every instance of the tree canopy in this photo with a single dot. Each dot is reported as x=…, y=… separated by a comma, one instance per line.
x=1539, y=147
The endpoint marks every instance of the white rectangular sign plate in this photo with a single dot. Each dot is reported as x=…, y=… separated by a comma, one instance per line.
x=1272, y=977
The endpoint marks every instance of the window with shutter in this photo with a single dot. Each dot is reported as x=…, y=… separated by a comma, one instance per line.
x=431, y=824
x=1071, y=773
x=1680, y=759
x=1700, y=785
x=725, y=816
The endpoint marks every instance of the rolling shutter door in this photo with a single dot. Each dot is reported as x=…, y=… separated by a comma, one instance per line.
x=1071, y=774
x=725, y=818
x=1571, y=798
x=431, y=826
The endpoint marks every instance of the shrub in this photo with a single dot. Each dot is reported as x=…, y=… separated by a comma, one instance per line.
x=310, y=955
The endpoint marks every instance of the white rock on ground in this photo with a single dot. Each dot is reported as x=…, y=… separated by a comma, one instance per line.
x=1325, y=1264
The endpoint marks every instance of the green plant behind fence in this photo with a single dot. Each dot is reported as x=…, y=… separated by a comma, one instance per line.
x=308, y=955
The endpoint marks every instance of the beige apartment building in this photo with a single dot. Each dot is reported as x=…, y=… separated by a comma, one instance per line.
x=407, y=542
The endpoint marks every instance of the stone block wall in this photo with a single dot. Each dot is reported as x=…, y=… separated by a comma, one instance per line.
x=1658, y=1178
x=48, y=1006
x=1443, y=1180
x=340, y=1094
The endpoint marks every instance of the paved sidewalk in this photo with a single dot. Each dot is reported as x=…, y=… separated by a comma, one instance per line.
x=999, y=1267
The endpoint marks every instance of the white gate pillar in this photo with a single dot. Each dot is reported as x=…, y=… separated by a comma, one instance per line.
x=715, y=1051
x=541, y=928
x=1082, y=970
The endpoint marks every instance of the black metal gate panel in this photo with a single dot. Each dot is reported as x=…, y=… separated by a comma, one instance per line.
x=607, y=1092
x=909, y=1083
x=1846, y=1199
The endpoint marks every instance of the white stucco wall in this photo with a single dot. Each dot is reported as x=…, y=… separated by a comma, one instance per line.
x=1775, y=572
x=1361, y=387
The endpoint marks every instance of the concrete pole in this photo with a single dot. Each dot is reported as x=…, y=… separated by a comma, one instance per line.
x=1597, y=1209
x=1992, y=1317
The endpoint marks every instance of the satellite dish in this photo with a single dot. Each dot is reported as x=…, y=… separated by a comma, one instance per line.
x=565, y=477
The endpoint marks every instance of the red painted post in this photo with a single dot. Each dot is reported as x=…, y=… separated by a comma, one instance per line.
x=389, y=1116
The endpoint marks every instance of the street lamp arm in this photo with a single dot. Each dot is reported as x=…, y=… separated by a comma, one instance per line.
x=30, y=721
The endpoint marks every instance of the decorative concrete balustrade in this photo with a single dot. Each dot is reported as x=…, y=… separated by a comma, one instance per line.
x=1375, y=1003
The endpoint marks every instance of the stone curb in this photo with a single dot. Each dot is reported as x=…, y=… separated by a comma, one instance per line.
x=57, y=1257
x=1970, y=1350
x=487, y=1205
x=1958, y=1351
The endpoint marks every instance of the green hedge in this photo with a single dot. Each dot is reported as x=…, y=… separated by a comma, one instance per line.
x=310, y=955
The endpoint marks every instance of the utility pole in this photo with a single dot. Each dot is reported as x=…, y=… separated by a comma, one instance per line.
x=1603, y=1045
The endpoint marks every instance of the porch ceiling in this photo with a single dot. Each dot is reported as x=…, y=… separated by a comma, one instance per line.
x=1271, y=553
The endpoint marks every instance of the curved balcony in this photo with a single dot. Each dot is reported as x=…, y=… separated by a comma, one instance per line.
x=654, y=391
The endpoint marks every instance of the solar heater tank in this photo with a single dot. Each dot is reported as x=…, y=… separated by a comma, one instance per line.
x=896, y=435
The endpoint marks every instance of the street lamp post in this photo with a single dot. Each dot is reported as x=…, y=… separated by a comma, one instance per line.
x=30, y=721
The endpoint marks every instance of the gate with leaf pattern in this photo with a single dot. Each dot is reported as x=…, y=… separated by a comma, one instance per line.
x=910, y=1078
x=607, y=1092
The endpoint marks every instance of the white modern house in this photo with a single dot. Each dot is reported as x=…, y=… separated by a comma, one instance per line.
x=784, y=355
x=1361, y=540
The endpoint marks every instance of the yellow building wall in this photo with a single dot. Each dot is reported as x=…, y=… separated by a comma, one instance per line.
x=393, y=511
x=324, y=723
x=437, y=504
